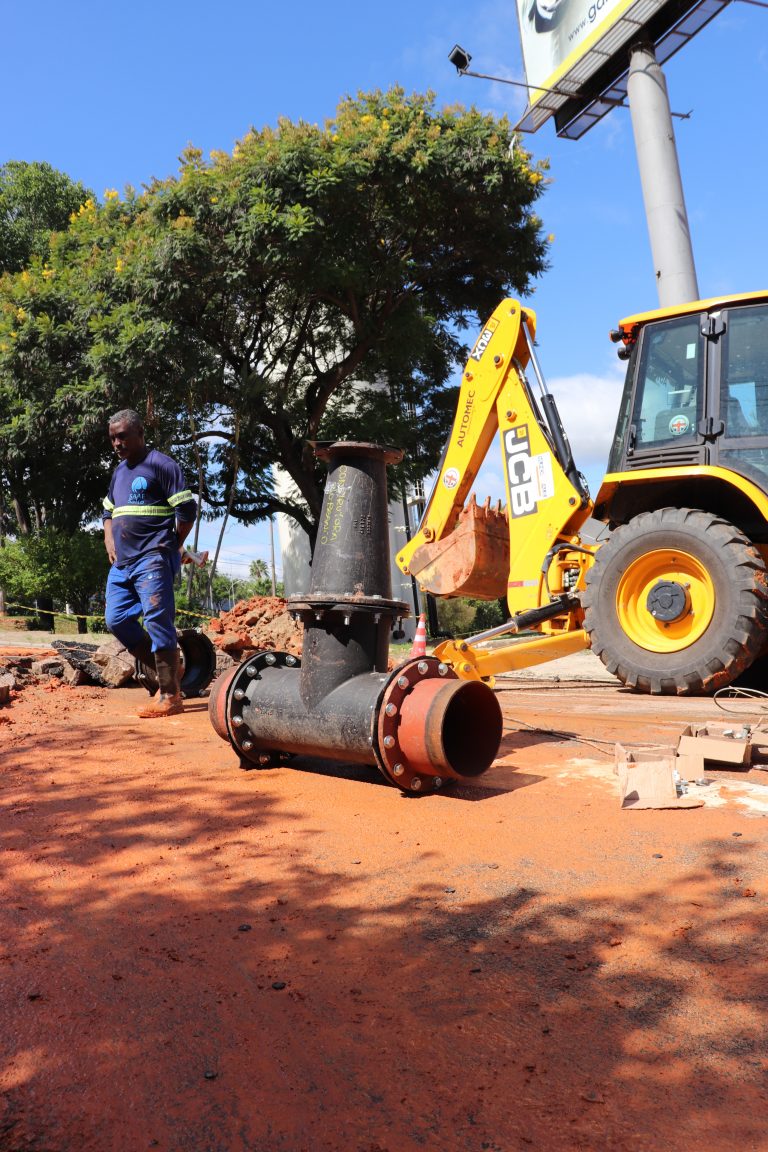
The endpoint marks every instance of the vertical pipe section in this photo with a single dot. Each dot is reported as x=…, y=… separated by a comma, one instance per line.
x=660, y=178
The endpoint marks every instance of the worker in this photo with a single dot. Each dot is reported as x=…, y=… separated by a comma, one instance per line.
x=147, y=516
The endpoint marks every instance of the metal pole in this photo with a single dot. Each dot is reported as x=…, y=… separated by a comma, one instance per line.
x=414, y=585
x=660, y=179
x=272, y=549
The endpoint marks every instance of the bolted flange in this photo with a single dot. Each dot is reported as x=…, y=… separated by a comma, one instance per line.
x=432, y=725
x=230, y=697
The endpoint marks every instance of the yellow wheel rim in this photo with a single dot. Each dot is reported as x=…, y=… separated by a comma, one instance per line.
x=632, y=600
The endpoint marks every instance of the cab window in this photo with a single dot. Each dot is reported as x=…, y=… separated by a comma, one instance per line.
x=668, y=396
x=744, y=387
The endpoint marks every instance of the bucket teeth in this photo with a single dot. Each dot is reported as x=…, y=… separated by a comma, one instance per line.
x=485, y=511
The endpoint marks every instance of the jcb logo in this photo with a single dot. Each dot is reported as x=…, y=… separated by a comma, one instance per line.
x=523, y=487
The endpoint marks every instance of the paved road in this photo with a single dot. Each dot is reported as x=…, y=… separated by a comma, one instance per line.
x=579, y=666
x=10, y=638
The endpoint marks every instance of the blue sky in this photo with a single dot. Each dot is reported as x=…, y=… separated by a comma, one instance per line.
x=111, y=94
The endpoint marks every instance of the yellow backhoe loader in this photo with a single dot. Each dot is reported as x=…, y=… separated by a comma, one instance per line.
x=664, y=574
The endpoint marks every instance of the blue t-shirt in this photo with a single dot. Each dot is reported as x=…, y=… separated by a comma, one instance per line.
x=144, y=502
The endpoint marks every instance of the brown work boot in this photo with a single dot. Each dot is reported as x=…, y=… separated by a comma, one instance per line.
x=169, y=700
x=162, y=706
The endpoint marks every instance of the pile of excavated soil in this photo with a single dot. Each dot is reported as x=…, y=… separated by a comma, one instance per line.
x=256, y=624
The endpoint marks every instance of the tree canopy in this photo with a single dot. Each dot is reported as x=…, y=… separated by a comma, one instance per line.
x=55, y=565
x=35, y=200
x=314, y=284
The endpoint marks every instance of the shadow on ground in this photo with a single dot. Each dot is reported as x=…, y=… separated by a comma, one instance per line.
x=186, y=966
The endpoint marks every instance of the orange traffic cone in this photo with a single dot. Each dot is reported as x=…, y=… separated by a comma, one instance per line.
x=420, y=640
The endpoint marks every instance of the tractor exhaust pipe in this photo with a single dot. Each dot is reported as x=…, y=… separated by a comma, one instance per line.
x=419, y=724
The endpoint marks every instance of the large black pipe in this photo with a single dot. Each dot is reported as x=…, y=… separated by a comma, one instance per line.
x=419, y=724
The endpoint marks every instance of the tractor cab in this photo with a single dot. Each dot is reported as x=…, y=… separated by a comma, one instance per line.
x=695, y=401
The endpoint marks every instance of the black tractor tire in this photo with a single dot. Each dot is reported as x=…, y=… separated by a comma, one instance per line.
x=736, y=631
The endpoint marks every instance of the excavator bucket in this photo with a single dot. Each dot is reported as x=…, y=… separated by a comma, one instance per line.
x=473, y=560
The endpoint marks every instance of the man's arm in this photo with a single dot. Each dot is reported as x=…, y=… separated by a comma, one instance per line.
x=106, y=519
x=180, y=499
x=109, y=540
x=183, y=529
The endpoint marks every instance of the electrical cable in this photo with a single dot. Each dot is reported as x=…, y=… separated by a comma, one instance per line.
x=745, y=694
x=592, y=742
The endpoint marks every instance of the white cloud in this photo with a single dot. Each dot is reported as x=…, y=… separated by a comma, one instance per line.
x=588, y=407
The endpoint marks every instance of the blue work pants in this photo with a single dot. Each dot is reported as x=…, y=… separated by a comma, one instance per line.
x=143, y=587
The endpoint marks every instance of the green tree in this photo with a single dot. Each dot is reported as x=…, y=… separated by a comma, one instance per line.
x=53, y=451
x=35, y=200
x=330, y=271
x=57, y=568
x=460, y=616
x=314, y=284
x=456, y=615
x=260, y=580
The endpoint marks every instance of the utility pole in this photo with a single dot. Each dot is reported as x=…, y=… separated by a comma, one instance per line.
x=272, y=551
x=660, y=179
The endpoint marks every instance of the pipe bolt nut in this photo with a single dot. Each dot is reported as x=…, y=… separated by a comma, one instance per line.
x=423, y=667
x=290, y=661
x=442, y=669
x=391, y=709
x=239, y=694
x=402, y=682
x=252, y=671
x=438, y=781
x=398, y=770
x=270, y=658
x=389, y=741
x=237, y=721
x=247, y=745
x=416, y=784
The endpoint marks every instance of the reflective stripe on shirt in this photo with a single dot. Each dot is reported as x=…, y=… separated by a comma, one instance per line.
x=142, y=510
x=180, y=498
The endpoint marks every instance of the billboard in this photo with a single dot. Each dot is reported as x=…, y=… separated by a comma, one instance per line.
x=576, y=52
x=557, y=33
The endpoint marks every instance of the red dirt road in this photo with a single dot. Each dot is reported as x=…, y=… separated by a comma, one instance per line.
x=197, y=958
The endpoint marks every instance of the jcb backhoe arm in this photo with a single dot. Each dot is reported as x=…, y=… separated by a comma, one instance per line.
x=530, y=551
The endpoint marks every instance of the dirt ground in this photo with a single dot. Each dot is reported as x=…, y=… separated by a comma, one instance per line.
x=198, y=958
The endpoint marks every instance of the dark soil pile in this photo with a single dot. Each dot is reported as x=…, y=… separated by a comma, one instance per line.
x=263, y=622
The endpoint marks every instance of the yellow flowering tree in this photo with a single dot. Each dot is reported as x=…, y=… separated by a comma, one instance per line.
x=330, y=272
x=317, y=282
